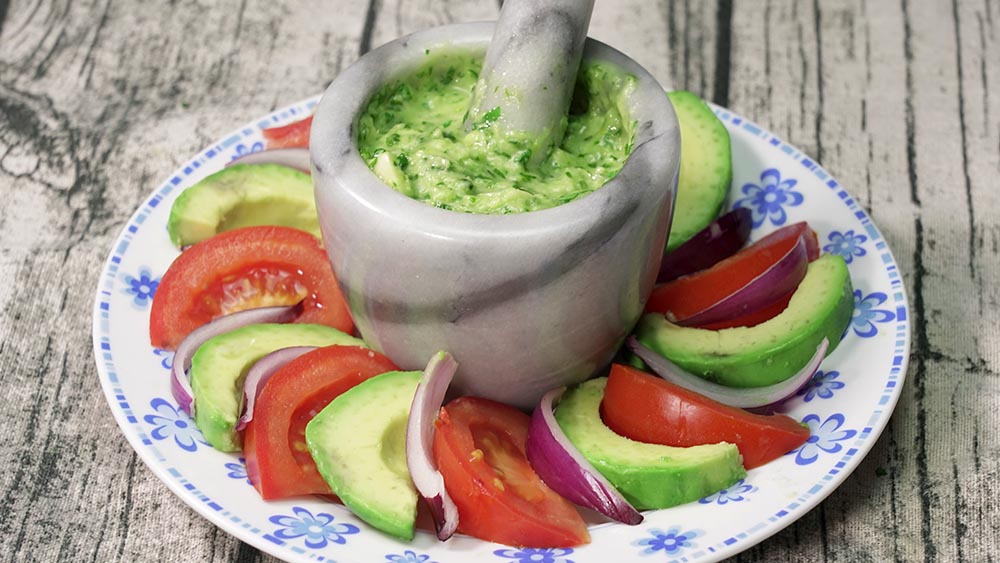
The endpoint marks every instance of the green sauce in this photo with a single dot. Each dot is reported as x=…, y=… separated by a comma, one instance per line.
x=411, y=135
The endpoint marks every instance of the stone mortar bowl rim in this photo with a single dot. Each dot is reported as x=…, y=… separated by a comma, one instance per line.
x=327, y=150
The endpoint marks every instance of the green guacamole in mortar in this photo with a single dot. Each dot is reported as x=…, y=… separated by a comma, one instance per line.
x=411, y=135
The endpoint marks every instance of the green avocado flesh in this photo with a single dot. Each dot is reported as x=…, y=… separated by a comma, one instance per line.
x=411, y=135
x=706, y=167
x=243, y=195
x=220, y=366
x=359, y=444
x=772, y=351
x=647, y=475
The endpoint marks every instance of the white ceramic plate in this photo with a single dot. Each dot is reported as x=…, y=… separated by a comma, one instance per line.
x=847, y=407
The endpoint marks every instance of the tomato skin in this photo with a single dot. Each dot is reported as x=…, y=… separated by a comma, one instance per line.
x=649, y=409
x=278, y=462
x=473, y=438
x=689, y=295
x=192, y=291
x=293, y=135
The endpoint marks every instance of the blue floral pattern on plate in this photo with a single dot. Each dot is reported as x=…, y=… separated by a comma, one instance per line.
x=317, y=530
x=823, y=437
x=846, y=244
x=238, y=470
x=409, y=557
x=821, y=385
x=866, y=315
x=535, y=555
x=734, y=493
x=166, y=357
x=243, y=150
x=170, y=422
x=767, y=202
x=141, y=287
x=671, y=542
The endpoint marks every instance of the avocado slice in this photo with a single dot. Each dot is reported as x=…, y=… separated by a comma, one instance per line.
x=243, y=195
x=772, y=351
x=220, y=365
x=359, y=445
x=706, y=167
x=647, y=475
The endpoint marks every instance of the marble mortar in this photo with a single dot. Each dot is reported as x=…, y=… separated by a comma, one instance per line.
x=525, y=302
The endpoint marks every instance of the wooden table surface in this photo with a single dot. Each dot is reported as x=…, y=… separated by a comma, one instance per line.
x=100, y=100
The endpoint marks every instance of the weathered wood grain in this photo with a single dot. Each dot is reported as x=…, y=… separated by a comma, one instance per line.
x=674, y=41
x=101, y=99
x=391, y=19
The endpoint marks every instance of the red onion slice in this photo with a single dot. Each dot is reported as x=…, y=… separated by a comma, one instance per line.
x=760, y=399
x=420, y=439
x=719, y=240
x=259, y=373
x=557, y=461
x=297, y=158
x=180, y=386
x=772, y=284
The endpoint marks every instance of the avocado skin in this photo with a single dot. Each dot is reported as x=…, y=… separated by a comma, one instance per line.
x=772, y=351
x=706, y=167
x=648, y=475
x=358, y=444
x=243, y=195
x=220, y=366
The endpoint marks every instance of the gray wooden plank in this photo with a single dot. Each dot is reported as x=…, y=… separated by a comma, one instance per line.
x=675, y=41
x=4, y=6
x=395, y=18
x=974, y=394
x=644, y=39
x=944, y=400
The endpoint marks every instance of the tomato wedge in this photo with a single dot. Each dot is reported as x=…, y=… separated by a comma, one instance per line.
x=479, y=449
x=646, y=408
x=293, y=135
x=243, y=269
x=278, y=462
x=689, y=295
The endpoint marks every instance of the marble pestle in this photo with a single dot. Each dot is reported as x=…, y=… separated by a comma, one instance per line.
x=530, y=69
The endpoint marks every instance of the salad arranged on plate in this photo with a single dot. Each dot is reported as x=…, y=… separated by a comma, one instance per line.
x=266, y=362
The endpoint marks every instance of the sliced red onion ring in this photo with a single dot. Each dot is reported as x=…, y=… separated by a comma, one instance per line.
x=297, y=158
x=180, y=386
x=772, y=284
x=259, y=373
x=716, y=242
x=427, y=479
x=557, y=461
x=759, y=399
